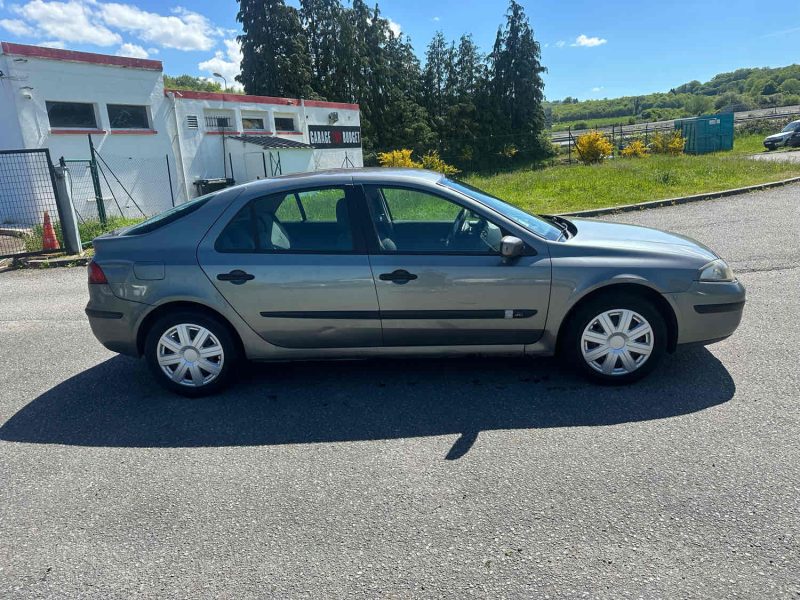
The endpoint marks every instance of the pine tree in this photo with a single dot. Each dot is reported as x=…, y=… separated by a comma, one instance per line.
x=275, y=60
x=517, y=88
x=322, y=22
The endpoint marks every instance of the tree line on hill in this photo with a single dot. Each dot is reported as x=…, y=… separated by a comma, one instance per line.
x=743, y=89
x=477, y=110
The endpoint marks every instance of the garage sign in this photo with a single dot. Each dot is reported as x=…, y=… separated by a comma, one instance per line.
x=329, y=136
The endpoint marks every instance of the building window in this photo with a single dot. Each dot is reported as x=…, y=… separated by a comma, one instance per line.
x=71, y=114
x=284, y=124
x=219, y=122
x=252, y=123
x=127, y=116
x=191, y=121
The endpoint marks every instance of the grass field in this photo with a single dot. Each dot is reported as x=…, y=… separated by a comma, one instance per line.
x=618, y=181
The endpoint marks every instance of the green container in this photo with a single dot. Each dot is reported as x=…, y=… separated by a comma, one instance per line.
x=709, y=133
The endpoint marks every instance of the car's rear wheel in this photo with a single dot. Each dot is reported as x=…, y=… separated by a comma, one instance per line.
x=191, y=353
x=616, y=339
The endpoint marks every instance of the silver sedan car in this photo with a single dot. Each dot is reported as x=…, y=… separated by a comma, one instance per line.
x=385, y=262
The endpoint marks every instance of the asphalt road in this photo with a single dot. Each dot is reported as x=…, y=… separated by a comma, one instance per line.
x=411, y=479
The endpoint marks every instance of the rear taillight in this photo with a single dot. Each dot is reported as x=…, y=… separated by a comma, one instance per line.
x=96, y=274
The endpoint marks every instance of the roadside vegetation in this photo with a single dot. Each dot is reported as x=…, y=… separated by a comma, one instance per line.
x=88, y=230
x=617, y=181
x=743, y=89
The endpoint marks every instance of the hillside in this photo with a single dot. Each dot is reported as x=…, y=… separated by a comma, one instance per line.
x=743, y=89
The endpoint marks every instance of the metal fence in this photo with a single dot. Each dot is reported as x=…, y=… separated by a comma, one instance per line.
x=27, y=201
x=119, y=186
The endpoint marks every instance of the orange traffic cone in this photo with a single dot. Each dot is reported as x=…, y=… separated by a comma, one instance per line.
x=49, y=241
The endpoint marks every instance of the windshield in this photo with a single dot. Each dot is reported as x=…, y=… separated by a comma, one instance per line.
x=520, y=217
x=791, y=127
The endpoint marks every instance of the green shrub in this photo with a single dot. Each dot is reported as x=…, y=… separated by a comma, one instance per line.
x=88, y=230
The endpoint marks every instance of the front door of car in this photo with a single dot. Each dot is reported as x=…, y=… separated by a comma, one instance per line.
x=295, y=269
x=440, y=278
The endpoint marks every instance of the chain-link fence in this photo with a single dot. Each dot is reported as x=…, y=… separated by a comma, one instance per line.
x=29, y=217
x=119, y=186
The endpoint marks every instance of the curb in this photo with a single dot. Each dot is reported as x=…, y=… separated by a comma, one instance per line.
x=596, y=212
x=48, y=263
x=14, y=231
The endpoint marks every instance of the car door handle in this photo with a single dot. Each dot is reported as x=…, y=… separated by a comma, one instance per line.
x=399, y=276
x=237, y=277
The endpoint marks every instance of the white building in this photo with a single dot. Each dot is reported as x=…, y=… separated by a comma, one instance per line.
x=52, y=98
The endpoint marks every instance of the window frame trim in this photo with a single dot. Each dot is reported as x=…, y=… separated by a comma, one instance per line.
x=350, y=193
x=147, y=115
x=78, y=128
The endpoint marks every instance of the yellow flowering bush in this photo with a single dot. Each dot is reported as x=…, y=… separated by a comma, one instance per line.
x=593, y=147
x=397, y=158
x=667, y=143
x=404, y=158
x=636, y=149
x=434, y=162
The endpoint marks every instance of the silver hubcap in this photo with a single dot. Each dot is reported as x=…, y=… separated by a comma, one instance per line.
x=617, y=342
x=190, y=355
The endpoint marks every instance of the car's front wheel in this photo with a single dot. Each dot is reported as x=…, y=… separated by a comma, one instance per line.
x=616, y=339
x=191, y=353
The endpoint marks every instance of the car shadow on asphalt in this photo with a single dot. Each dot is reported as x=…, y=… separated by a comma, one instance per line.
x=117, y=404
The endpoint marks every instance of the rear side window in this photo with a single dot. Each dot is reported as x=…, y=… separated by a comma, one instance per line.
x=168, y=216
x=298, y=221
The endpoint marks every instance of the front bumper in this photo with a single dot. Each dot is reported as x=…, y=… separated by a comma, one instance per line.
x=709, y=311
x=113, y=320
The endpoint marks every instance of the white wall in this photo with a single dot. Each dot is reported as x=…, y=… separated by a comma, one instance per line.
x=140, y=159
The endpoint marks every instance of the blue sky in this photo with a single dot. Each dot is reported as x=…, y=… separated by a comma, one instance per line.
x=592, y=49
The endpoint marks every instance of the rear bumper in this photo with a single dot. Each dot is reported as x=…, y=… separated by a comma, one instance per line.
x=709, y=312
x=113, y=320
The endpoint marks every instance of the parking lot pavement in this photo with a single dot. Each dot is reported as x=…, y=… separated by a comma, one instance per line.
x=788, y=155
x=404, y=479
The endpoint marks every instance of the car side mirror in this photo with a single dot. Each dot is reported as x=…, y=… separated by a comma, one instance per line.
x=511, y=247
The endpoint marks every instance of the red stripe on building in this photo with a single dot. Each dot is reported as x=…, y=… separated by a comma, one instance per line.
x=77, y=131
x=84, y=57
x=244, y=98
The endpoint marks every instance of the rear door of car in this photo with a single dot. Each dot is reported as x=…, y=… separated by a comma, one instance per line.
x=435, y=292
x=296, y=269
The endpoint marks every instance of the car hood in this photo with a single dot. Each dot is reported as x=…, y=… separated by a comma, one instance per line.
x=633, y=238
x=778, y=136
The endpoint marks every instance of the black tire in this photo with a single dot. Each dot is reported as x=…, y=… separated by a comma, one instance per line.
x=571, y=342
x=217, y=329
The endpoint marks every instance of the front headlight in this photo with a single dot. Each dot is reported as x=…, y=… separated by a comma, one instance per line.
x=717, y=270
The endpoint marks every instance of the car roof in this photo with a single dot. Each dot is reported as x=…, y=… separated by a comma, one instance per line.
x=347, y=176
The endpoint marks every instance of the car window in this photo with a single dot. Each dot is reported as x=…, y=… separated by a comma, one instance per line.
x=302, y=221
x=168, y=216
x=415, y=221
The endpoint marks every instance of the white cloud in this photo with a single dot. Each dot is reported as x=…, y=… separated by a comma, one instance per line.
x=16, y=27
x=227, y=63
x=597, y=89
x=71, y=21
x=560, y=44
x=437, y=19
x=52, y=44
x=132, y=50
x=152, y=51
x=589, y=42
x=395, y=27
x=184, y=30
